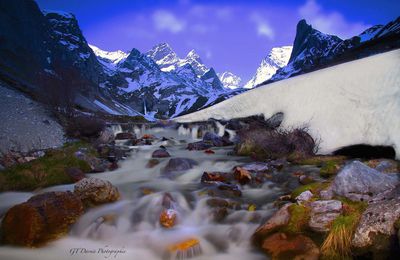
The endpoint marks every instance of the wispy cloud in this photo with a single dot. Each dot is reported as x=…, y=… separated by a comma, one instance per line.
x=330, y=22
x=263, y=27
x=167, y=21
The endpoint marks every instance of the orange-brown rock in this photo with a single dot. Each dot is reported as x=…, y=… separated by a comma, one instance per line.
x=168, y=218
x=214, y=176
x=242, y=176
x=296, y=247
x=42, y=218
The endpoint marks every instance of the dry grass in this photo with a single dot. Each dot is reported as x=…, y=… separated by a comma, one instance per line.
x=337, y=244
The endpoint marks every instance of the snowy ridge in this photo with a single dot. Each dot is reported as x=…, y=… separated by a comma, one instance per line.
x=168, y=60
x=111, y=56
x=230, y=80
x=351, y=103
x=276, y=59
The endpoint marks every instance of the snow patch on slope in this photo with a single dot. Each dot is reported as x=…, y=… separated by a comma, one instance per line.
x=351, y=103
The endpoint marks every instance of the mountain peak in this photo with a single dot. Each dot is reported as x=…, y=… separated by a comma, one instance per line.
x=277, y=58
x=164, y=56
x=230, y=80
x=193, y=55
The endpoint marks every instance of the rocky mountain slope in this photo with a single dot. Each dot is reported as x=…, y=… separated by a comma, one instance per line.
x=314, y=50
x=44, y=44
x=276, y=59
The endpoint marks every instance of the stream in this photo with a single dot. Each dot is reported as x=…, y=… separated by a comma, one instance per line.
x=130, y=228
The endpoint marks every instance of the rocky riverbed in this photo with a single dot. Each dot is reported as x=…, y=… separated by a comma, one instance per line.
x=183, y=191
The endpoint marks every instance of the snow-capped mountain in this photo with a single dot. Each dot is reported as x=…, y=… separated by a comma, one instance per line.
x=137, y=80
x=314, y=50
x=157, y=83
x=230, y=80
x=276, y=59
x=168, y=60
x=109, y=56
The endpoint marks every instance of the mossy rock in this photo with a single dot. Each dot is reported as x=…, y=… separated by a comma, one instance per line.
x=45, y=171
x=299, y=216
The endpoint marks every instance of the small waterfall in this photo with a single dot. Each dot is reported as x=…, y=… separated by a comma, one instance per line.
x=221, y=128
x=116, y=129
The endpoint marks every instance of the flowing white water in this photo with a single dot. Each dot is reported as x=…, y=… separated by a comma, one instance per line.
x=132, y=224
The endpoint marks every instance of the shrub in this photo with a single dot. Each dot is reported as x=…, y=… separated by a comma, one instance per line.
x=84, y=126
x=272, y=144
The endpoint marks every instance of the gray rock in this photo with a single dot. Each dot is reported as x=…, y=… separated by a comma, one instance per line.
x=326, y=194
x=176, y=165
x=106, y=136
x=357, y=181
x=304, y=196
x=323, y=213
x=324, y=206
x=160, y=153
x=321, y=222
x=279, y=219
x=376, y=229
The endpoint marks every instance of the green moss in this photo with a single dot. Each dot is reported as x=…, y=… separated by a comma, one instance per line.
x=299, y=216
x=45, y=171
x=320, y=160
x=329, y=169
x=314, y=187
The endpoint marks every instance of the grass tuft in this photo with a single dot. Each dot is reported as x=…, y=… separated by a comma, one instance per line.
x=337, y=244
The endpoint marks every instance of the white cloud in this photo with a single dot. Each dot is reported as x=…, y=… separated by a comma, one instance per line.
x=330, y=22
x=264, y=29
x=167, y=21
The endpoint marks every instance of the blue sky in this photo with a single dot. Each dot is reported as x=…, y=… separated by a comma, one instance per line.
x=229, y=35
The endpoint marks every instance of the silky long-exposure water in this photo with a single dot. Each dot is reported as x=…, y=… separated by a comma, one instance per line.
x=131, y=229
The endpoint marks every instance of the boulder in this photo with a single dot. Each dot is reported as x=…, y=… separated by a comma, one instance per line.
x=376, y=230
x=160, y=153
x=359, y=182
x=279, y=219
x=282, y=246
x=323, y=213
x=178, y=165
x=93, y=191
x=42, y=218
